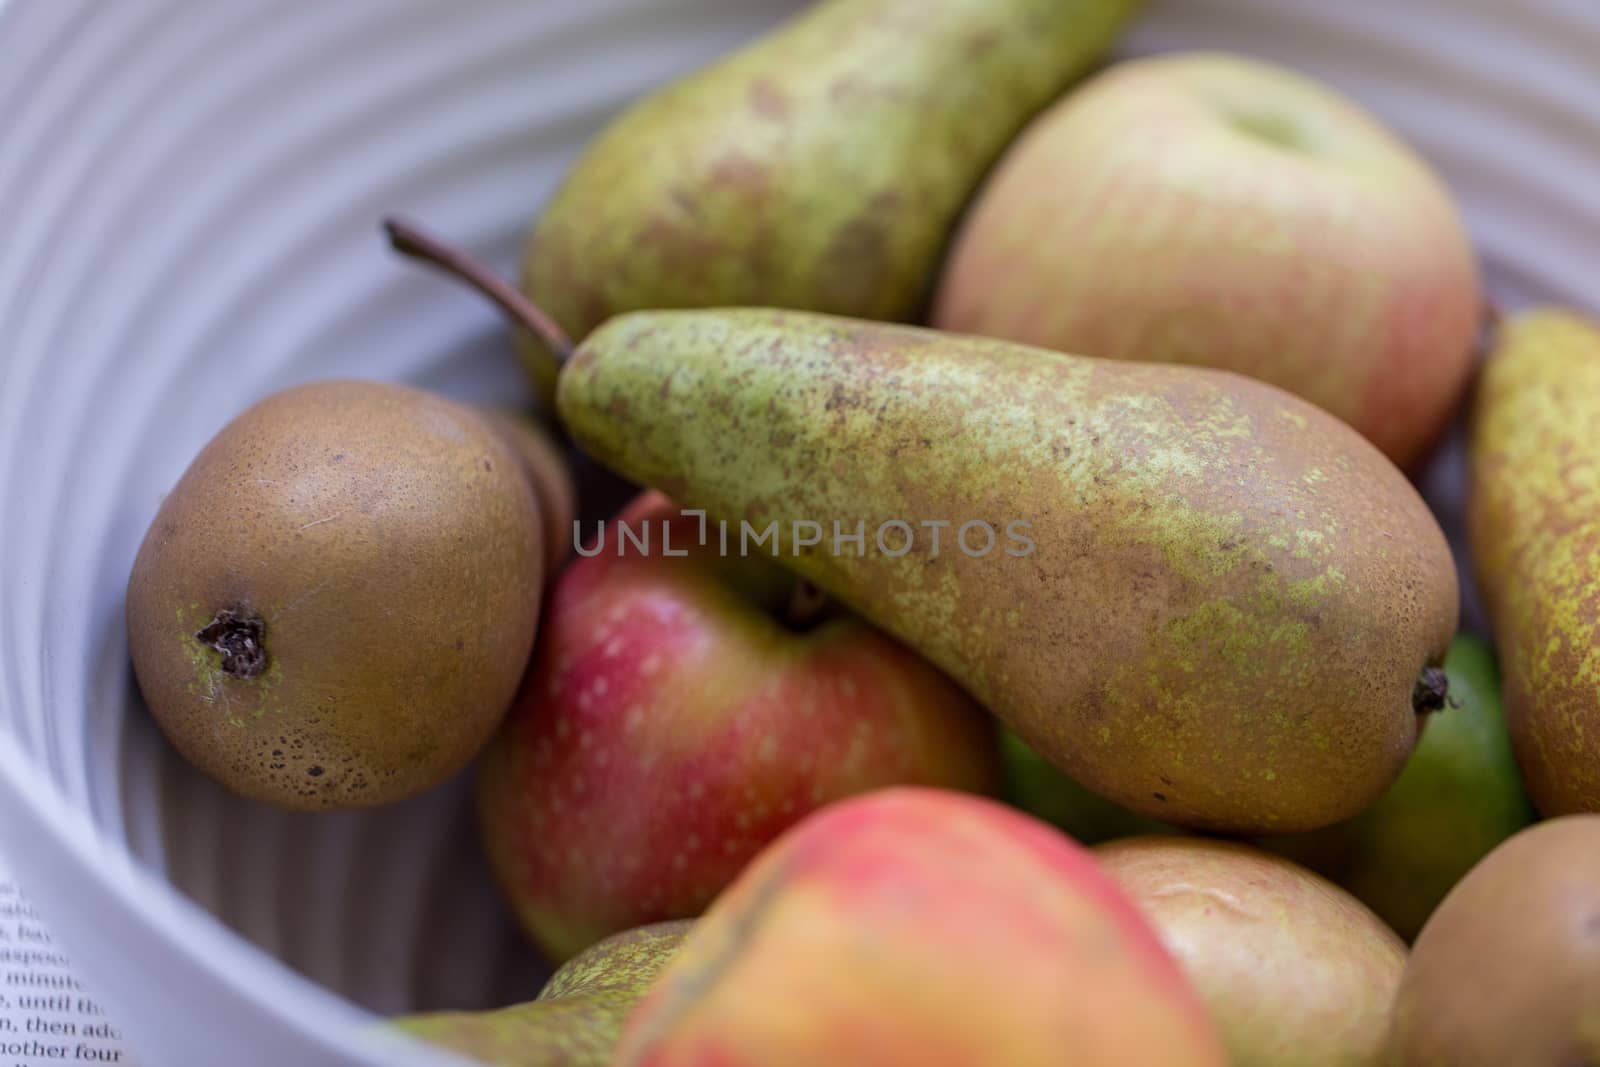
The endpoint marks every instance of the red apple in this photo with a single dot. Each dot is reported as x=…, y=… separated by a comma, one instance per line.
x=674, y=722
x=916, y=926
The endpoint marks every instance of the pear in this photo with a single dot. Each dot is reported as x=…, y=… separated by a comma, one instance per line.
x=1534, y=514
x=1211, y=602
x=1507, y=971
x=822, y=167
x=334, y=606
x=577, y=1018
x=1458, y=797
x=1039, y=788
x=1201, y=597
x=545, y=464
x=1293, y=969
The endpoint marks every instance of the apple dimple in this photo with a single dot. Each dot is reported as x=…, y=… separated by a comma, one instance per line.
x=1270, y=127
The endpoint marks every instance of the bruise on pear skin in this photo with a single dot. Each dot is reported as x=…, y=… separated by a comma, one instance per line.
x=1184, y=520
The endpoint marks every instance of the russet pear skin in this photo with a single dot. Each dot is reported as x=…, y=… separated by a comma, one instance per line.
x=821, y=167
x=545, y=463
x=383, y=546
x=1231, y=597
x=1534, y=515
x=1507, y=970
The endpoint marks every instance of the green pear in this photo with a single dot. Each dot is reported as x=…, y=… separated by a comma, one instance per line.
x=1534, y=517
x=1457, y=799
x=822, y=167
x=1201, y=597
x=577, y=1018
x=1214, y=603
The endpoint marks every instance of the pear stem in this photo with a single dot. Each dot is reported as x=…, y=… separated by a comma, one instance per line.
x=411, y=240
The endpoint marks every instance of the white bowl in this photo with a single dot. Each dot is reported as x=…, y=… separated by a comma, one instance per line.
x=189, y=196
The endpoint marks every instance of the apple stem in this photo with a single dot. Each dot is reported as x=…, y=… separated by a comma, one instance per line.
x=806, y=604
x=411, y=240
x=1492, y=315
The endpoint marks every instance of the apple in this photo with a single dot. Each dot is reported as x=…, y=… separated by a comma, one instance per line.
x=1215, y=210
x=918, y=926
x=683, y=708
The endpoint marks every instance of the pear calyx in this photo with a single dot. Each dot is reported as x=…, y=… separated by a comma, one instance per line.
x=241, y=638
x=1432, y=691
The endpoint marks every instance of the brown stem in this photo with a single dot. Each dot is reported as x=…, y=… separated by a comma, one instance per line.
x=411, y=240
x=806, y=605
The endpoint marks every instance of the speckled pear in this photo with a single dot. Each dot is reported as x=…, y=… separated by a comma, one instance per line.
x=1459, y=797
x=822, y=167
x=1225, y=610
x=1535, y=522
x=579, y=1014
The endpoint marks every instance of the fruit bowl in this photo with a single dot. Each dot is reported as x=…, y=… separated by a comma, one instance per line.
x=192, y=197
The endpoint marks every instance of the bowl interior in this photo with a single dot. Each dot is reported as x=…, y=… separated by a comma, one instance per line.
x=191, y=195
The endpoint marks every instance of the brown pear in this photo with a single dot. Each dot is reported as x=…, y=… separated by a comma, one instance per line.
x=551, y=477
x=334, y=605
x=1293, y=969
x=1507, y=970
